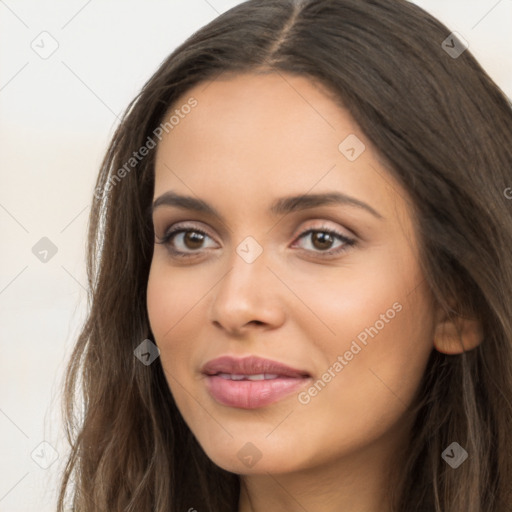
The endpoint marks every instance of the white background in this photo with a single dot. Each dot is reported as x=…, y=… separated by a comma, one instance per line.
x=56, y=118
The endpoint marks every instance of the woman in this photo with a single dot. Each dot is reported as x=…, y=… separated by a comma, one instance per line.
x=299, y=260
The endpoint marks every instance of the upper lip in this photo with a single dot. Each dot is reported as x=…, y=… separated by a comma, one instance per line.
x=250, y=365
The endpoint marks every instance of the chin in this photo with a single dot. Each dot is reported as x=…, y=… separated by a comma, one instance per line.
x=235, y=465
x=244, y=457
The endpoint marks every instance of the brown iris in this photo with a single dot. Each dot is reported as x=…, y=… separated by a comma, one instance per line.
x=322, y=240
x=193, y=240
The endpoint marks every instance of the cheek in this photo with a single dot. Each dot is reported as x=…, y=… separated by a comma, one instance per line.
x=373, y=383
x=366, y=386
x=169, y=304
x=176, y=300
x=381, y=292
x=173, y=297
x=159, y=295
x=374, y=338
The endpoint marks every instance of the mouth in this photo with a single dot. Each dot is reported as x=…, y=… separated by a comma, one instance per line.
x=251, y=382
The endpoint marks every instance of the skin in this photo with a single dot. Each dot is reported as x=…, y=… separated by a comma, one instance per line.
x=251, y=139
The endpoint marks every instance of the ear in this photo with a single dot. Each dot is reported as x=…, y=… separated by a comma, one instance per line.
x=455, y=334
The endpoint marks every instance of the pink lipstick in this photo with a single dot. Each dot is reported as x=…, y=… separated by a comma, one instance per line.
x=251, y=382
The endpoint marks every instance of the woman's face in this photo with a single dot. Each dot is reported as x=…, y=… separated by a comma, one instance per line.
x=327, y=284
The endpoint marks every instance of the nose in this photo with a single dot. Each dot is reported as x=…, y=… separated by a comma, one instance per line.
x=248, y=296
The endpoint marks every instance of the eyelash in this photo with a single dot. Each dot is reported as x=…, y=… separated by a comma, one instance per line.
x=348, y=242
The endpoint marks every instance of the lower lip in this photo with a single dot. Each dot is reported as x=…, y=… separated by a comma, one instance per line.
x=247, y=394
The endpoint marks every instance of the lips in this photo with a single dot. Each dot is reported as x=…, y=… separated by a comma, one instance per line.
x=250, y=365
x=251, y=382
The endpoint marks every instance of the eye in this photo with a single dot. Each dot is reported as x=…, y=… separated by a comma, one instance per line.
x=322, y=241
x=188, y=241
x=181, y=240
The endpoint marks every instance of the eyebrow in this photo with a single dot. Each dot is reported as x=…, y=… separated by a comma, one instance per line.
x=281, y=206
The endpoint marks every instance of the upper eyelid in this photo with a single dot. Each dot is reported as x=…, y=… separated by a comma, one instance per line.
x=180, y=228
x=178, y=225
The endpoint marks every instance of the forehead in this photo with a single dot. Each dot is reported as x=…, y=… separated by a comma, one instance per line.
x=254, y=137
x=241, y=112
x=263, y=119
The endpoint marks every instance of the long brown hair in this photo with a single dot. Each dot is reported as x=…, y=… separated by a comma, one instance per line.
x=443, y=129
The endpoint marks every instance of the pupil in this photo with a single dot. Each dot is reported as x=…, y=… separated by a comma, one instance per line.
x=322, y=240
x=193, y=240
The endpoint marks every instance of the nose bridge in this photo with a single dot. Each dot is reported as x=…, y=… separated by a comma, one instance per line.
x=248, y=269
x=246, y=293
